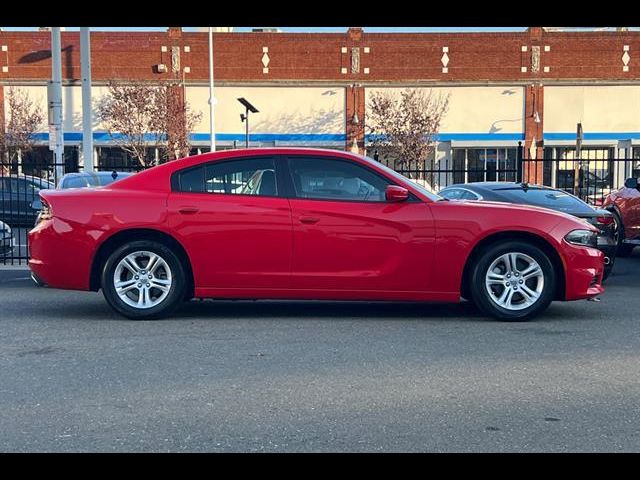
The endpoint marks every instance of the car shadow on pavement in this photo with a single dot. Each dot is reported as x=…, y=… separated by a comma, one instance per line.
x=324, y=309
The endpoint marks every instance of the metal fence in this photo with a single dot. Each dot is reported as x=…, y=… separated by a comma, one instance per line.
x=590, y=179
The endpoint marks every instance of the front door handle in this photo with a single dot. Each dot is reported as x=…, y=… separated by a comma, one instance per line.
x=309, y=220
x=188, y=210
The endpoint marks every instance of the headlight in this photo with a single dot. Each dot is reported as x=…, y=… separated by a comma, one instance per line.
x=586, y=238
x=5, y=231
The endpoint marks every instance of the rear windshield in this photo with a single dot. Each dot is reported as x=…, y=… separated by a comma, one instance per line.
x=554, y=199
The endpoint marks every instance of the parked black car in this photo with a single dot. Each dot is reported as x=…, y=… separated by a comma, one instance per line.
x=17, y=193
x=541, y=196
x=6, y=240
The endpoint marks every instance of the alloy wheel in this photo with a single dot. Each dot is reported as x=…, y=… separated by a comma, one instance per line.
x=514, y=281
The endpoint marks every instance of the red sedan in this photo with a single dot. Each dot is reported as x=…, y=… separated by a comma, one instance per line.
x=305, y=224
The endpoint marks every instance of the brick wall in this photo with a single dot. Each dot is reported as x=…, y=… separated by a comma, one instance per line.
x=340, y=59
x=323, y=57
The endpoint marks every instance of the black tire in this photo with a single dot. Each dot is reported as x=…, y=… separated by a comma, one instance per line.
x=483, y=299
x=624, y=249
x=176, y=291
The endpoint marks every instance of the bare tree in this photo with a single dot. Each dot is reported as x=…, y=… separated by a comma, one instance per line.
x=404, y=126
x=25, y=118
x=141, y=115
x=177, y=120
x=129, y=114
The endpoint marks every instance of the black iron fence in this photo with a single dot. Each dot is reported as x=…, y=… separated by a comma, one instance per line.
x=590, y=179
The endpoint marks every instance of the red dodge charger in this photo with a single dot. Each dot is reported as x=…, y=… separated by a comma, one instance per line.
x=304, y=224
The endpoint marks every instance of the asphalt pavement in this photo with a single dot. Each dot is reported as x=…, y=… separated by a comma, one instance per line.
x=314, y=377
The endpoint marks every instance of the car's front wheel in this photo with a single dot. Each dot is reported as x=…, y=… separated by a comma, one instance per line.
x=143, y=280
x=513, y=281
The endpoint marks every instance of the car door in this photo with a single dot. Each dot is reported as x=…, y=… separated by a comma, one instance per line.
x=347, y=238
x=237, y=230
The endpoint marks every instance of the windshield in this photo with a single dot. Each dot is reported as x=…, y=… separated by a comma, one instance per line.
x=393, y=173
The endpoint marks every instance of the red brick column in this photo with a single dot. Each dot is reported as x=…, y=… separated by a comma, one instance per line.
x=533, y=129
x=354, y=124
x=2, y=125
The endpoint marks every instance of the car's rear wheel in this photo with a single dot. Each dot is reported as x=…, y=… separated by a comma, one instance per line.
x=143, y=280
x=624, y=249
x=513, y=281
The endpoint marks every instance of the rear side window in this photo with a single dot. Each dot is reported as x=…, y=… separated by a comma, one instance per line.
x=254, y=176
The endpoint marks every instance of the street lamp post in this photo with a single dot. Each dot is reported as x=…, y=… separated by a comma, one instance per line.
x=244, y=117
x=87, y=130
x=211, y=98
x=55, y=104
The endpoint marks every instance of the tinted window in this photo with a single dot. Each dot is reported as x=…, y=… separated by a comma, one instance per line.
x=328, y=179
x=255, y=176
x=554, y=199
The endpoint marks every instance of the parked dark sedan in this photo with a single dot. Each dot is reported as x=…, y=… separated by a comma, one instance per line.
x=17, y=193
x=542, y=196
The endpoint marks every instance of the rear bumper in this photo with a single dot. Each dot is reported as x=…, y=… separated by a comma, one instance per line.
x=59, y=258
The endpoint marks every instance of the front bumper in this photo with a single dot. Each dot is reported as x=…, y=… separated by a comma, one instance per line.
x=584, y=268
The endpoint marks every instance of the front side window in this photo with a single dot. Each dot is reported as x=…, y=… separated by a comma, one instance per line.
x=255, y=176
x=329, y=179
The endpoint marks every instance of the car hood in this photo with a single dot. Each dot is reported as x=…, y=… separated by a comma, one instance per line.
x=517, y=208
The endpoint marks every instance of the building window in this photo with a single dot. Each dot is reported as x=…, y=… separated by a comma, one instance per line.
x=595, y=167
x=115, y=158
x=635, y=169
x=37, y=162
x=484, y=164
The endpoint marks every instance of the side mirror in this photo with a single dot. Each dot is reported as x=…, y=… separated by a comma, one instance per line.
x=631, y=182
x=36, y=204
x=395, y=193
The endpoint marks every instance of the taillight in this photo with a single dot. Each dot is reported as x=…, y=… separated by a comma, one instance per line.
x=605, y=220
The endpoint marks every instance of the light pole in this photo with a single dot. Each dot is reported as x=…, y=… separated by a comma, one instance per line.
x=244, y=117
x=87, y=130
x=55, y=104
x=212, y=130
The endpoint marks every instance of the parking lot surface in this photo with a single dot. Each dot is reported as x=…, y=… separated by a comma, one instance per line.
x=311, y=376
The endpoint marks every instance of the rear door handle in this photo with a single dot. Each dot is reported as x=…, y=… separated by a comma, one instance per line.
x=188, y=210
x=309, y=220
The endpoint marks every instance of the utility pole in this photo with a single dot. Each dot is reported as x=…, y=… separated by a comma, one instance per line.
x=56, y=139
x=578, y=161
x=212, y=130
x=87, y=129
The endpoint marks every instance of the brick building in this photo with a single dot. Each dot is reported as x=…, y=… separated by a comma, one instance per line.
x=312, y=89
